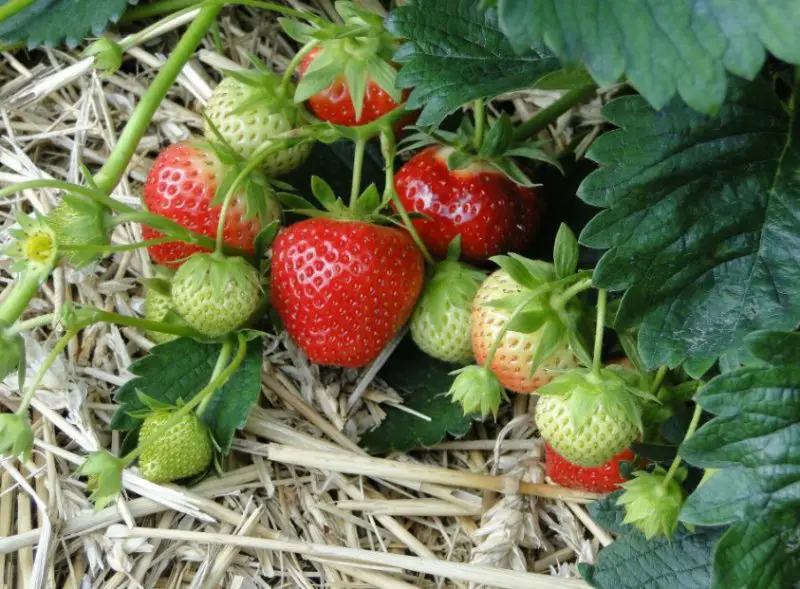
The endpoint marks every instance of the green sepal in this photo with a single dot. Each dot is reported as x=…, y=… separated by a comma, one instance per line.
x=218, y=271
x=16, y=436
x=12, y=356
x=552, y=338
x=107, y=55
x=78, y=221
x=498, y=139
x=653, y=504
x=454, y=282
x=265, y=238
x=458, y=160
x=34, y=247
x=105, y=473
x=565, y=252
x=478, y=390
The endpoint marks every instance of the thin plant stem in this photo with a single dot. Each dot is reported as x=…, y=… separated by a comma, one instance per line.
x=689, y=433
x=88, y=316
x=213, y=385
x=13, y=7
x=602, y=298
x=572, y=291
x=294, y=64
x=33, y=323
x=21, y=294
x=123, y=247
x=48, y=362
x=222, y=362
x=547, y=115
x=358, y=165
x=480, y=122
x=157, y=9
x=658, y=380
x=95, y=195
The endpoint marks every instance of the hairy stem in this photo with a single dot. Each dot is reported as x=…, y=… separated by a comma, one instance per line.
x=168, y=227
x=33, y=323
x=676, y=462
x=213, y=385
x=602, y=297
x=545, y=116
x=222, y=361
x=48, y=362
x=88, y=316
x=95, y=195
x=480, y=123
x=294, y=64
x=358, y=165
x=122, y=247
x=111, y=173
x=574, y=290
x=658, y=380
x=21, y=294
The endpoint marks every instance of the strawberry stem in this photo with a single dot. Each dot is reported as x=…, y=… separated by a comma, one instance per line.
x=213, y=385
x=689, y=433
x=293, y=65
x=32, y=323
x=358, y=165
x=658, y=380
x=480, y=123
x=95, y=195
x=547, y=115
x=89, y=315
x=598, y=331
x=122, y=247
x=13, y=7
x=21, y=294
x=389, y=151
x=119, y=158
x=48, y=362
x=222, y=361
x=577, y=288
x=168, y=227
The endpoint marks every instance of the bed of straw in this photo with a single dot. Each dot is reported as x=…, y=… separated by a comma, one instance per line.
x=300, y=504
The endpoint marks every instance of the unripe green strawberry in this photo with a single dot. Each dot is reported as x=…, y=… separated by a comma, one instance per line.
x=442, y=322
x=653, y=503
x=215, y=294
x=157, y=307
x=589, y=418
x=247, y=111
x=76, y=223
x=184, y=450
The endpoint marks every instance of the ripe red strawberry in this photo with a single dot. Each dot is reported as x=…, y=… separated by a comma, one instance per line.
x=181, y=185
x=492, y=213
x=344, y=288
x=335, y=104
x=598, y=479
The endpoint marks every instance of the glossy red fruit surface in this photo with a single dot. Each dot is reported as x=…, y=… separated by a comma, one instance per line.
x=492, y=214
x=335, y=105
x=599, y=479
x=344, y=288
x=181, y=185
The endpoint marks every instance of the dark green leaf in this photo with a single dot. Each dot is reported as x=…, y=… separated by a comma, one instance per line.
x=50, y=22
x=754, y=439
x=179, y=370
x=679, y=47
x=608, y=514
x=565, y=252
x=701, y=221
x=456, y=53
x=423, y=382
x=565, y=79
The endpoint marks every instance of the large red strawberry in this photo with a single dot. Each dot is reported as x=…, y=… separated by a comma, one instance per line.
x=344, y=288
x=597, y=479
x=335, y=103
x=182, y=184
x=492, y=213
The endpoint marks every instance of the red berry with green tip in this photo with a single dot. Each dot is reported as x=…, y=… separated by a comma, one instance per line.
x=492, y=214
x=181, y=186
x=344, y=288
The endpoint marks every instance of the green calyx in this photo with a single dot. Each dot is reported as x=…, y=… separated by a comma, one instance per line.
x=613, y=391
x=107, y=55
x=478, y=391
x=367, y=206
x=359, y=51
x=265, y=89
x=16, y=436
x=158, y=307
x=104, y=471
x=35, y=247
x=652, y=502
x=12, y=354
x=497, y=150
x=77, y=222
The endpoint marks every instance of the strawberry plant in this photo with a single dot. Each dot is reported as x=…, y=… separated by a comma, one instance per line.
x=684, y=256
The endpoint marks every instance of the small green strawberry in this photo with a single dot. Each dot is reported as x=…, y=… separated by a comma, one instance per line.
x=588, y=418
x=653, y=502
x=442, y=322
x=215, y=294
x=477, y=390
x=184, y=450
x=247, y=110
x=78, y=222
x=158, y=307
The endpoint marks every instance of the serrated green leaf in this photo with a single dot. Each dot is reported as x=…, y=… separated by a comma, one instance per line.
x=701, y=221
x=448, y=66
x=679, y=47
x=179, y=370
x=609, y=515
x=423, y=382
x=50, y=22
x=754, y=439
x=631, y=562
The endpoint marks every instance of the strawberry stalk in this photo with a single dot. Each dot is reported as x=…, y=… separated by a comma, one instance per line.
x=171, y=229
x=218, y=379
x=294, y=64
x=60, y=346
x=480, y=123
x=85, y=316
x=547, y=115
x=676, y=462
x=108, y=249
x=358, y=165
x=21, y=294
x=389, y=152
x=598, y=332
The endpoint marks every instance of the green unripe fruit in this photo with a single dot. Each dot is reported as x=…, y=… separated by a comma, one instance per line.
x=184, y=450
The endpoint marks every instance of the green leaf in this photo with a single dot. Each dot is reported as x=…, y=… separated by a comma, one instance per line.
x=679, y=47
x=754, y=439
x=423, y=382
x=609, y=515
x=179, y=370
x=701, y=221
x=498, y=139
x=49, y=22
x=631, y=562
x=565, y=252
x=456, y=53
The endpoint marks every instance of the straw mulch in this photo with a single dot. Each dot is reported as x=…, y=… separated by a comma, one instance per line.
x=300, y=504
